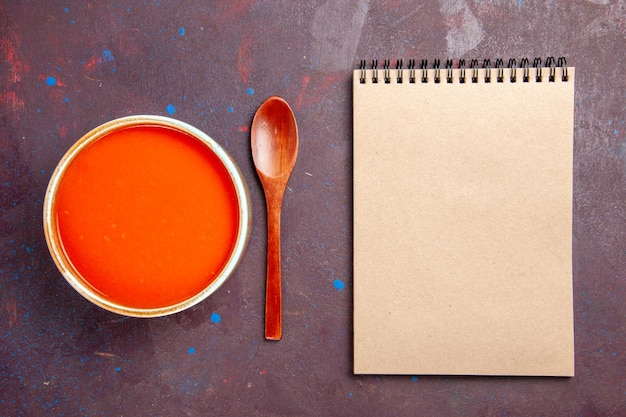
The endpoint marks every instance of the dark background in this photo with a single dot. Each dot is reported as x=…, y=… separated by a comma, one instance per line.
x=67, y=67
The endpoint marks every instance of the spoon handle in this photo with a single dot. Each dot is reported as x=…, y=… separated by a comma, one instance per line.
x=273, y=290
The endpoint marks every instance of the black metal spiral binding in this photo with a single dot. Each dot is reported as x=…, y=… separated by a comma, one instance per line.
x=538, y=67
x=437, y=67
x=424, y=70
x=375, y=71
x=563, y=64
x=411, y=71
x=500, y=67
x=487, y=67
x=525, y=74
x=512, y=65
x=462, y=71
x=363, y=68
x=387, y=72
x=551, y=65
x=449, y=65
x=474, y=68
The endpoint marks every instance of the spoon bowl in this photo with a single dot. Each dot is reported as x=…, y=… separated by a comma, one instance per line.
x=274, y=141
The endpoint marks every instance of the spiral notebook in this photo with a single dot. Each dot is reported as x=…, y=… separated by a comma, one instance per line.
x=463, y=218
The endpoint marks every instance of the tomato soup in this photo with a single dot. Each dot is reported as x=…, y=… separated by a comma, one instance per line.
x=147, y=215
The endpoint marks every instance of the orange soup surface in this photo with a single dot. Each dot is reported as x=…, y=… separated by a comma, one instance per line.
x=147, y=215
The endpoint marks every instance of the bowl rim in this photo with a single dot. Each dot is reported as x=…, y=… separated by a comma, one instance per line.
x=63, y=262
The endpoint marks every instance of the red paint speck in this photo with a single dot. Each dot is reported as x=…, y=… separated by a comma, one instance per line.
x=11, y=101
x=305, y=83
x=233, y=10
x=244, y=62
x=93, y=61
x=11, y=309
x=16, y=66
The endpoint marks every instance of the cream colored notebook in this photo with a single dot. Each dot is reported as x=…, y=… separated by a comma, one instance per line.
x=463, y=219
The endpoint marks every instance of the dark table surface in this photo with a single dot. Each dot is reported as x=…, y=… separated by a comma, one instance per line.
x=67, y=67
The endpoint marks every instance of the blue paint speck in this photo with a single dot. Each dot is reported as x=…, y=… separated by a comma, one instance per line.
x=616, y=132
x=230, y=110
x=107, y=56
x=338, y=284
x=216, y=318
x=181, y=31
x=250, y=91
x=118, y=368
x=67, y=99
x=414, y=379
x=350, y=394
x=170, y=109
x=66, y=10
x=72, y=21
x=191, y=350
x=51, y=81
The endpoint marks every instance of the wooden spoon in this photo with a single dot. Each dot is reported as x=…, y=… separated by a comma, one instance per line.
x=274, y=138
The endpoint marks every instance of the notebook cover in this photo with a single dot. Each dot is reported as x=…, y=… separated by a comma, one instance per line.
x=463, y=227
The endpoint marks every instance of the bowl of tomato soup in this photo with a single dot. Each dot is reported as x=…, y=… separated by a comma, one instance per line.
x=146, y=216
